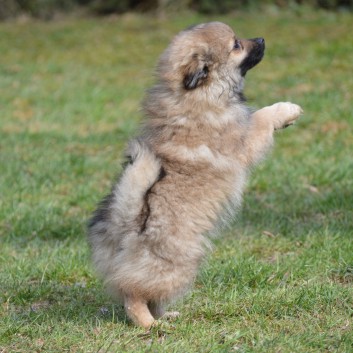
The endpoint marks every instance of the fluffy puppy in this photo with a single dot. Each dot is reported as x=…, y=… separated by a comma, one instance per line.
x=185, y=170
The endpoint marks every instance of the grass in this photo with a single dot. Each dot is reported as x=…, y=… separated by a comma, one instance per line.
x=280, y=279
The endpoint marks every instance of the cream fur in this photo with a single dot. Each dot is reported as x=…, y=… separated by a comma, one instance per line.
x=187, y=169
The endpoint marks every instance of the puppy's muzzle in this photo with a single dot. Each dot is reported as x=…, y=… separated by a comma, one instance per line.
x=255, y=54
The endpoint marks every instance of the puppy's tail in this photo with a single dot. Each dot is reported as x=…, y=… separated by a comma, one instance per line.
x=119, y=212
x=141, y=173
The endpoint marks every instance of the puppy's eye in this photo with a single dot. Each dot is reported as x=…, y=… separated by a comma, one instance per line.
x=237, y=45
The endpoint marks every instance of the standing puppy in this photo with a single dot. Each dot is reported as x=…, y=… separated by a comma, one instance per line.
x=186, y=169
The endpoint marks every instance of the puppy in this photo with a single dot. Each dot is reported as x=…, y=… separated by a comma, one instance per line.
x=186, y=170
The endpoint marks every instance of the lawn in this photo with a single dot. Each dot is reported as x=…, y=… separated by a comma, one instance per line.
x=279, y=279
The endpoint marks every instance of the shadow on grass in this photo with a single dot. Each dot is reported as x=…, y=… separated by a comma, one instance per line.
x=49, y=303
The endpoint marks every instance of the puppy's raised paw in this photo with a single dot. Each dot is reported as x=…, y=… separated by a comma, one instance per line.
x=285, y=114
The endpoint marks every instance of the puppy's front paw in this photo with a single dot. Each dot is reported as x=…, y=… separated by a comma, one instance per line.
x=285, y=114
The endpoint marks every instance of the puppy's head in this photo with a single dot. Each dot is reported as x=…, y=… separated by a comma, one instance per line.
x=208, y=56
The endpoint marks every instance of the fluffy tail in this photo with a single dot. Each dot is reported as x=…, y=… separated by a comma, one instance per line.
x=121, y=209
x=139, y=176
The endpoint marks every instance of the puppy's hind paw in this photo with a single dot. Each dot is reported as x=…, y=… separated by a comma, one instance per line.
x=161, y=327
x=171, y=315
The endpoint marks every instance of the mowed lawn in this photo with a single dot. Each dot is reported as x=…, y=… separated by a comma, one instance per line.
x=279, y=280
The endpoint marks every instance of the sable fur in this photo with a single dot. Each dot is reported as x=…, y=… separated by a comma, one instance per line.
x=186, y=169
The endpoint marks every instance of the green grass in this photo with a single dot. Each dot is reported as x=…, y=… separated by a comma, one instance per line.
x=280, y=279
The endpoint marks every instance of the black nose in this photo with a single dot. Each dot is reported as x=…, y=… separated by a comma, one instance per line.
x=260, y=41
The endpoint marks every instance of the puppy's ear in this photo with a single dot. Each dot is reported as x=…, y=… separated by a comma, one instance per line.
x=194, y=79
x=195, y=73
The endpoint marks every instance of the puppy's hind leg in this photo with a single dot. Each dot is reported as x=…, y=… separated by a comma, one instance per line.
x=137, y=310
x=157, y=310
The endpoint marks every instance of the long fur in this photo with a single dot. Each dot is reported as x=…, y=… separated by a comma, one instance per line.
x=187, y=170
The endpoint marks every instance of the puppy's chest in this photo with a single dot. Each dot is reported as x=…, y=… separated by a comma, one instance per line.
x=217, y=148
